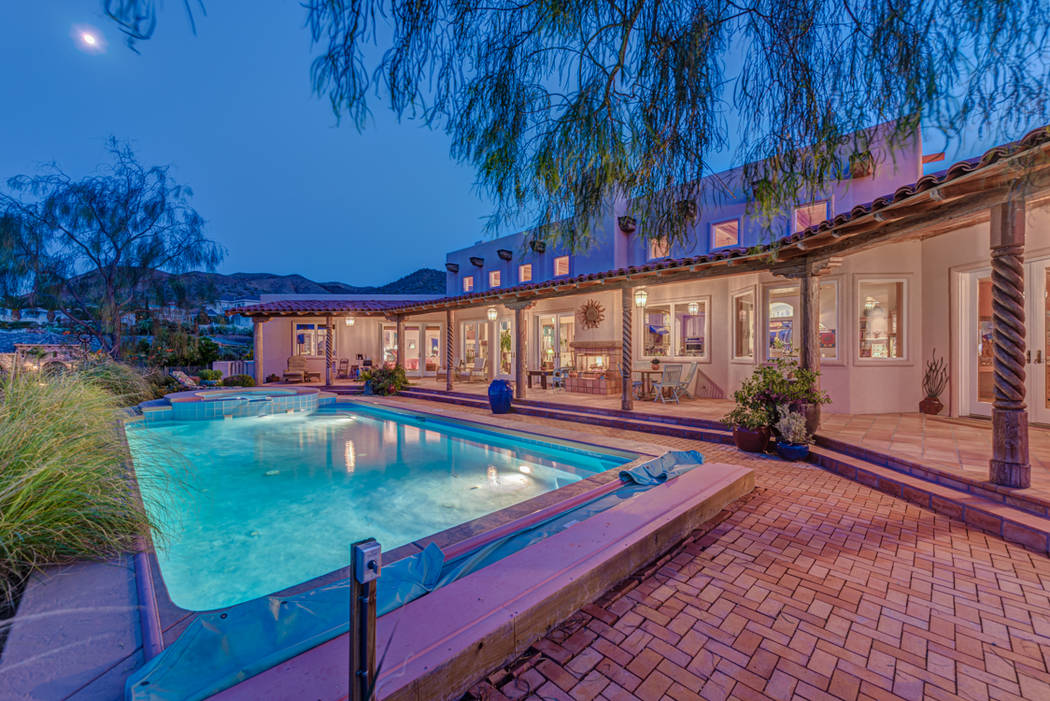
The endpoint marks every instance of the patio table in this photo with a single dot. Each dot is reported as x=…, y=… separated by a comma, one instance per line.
x=647, y=382
x=542, y=374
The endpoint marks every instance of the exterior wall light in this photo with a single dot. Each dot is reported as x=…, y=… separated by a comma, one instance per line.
x=641, y=296
x=349, y=321
x=492, y=313
x=694, y=308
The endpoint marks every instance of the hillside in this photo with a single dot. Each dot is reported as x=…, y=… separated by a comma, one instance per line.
x=197, y=288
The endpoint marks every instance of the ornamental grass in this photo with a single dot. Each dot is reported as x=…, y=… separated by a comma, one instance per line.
x=66, y=491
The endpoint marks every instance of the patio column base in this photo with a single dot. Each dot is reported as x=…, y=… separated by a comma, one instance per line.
x=1010, y=467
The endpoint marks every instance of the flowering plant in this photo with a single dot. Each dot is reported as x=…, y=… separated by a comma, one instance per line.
x=791, y=426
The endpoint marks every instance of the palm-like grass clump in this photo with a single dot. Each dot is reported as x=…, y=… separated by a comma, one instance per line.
x=65, y=488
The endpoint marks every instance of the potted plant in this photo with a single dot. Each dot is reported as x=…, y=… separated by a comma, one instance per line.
x=655, y=364
x=750, y=424
x=384, y=381
x=934, y=380
x=784, y=382
x=792, y=436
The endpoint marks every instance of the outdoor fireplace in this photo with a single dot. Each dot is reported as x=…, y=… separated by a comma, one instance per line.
x=596, y=368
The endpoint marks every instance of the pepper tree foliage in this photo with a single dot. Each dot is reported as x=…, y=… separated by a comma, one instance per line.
x=91, y=247
x=561, y=104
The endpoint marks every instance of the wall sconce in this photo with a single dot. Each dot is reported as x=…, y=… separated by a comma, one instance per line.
x=492, y=313
x=349, y=321
x=641, y=296
x=694, y=308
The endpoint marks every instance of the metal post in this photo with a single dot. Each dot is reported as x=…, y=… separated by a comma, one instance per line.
x=365, y=563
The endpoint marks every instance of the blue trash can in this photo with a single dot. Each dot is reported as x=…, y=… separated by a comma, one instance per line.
x=500, y=396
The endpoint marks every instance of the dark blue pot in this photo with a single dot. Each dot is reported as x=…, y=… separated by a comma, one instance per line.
x=792, y=451
x=367, y=389
x=500, y=396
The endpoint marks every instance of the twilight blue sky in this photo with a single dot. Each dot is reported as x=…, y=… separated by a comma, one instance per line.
x=281, y=186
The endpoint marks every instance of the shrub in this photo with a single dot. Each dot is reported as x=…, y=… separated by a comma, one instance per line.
x=386, y=381
x=791, y=426
x=210, y=375
x=273, y=377
x=239, y=381
x=161, y=383
x=780, y=383
x=64, y=487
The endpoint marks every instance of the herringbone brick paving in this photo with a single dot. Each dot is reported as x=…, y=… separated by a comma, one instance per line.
x=813, y=587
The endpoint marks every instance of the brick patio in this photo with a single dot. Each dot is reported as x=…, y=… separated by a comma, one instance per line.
x=813, y=587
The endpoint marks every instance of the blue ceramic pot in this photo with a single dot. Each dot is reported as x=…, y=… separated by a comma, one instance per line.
x=367, y=388
x=500, y=396
x=792, y=451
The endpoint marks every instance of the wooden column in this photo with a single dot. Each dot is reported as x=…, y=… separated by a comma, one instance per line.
x=521, y=330
x=400, y=340
x=493, y=347
x=328, y=351
x=1009, y=465
x=627, y=352
x=257, y=348
x=450, y=346
x=809, y=343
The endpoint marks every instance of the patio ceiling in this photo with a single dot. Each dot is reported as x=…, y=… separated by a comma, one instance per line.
x=933, y=205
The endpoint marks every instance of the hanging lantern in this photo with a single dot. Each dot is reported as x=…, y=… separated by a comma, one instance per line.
x=641, y=296
x=694, y=308
x=349, y=321
x=492, y=314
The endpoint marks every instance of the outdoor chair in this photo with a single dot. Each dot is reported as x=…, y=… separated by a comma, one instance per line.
x=343, y=371
x=296, y=370
x=670, y=378
x=558, y=377
x=685, y=386
x=480, y=370
x=460, y=372
x=185, y=380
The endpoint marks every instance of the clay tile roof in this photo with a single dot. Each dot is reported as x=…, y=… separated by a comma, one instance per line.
x=319, y=306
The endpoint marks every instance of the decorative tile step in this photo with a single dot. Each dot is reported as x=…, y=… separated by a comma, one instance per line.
x=1006, y=521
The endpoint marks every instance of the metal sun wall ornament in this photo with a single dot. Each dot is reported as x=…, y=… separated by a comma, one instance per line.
x=591, y=314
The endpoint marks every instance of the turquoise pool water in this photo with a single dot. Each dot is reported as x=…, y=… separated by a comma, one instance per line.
x=259, y=504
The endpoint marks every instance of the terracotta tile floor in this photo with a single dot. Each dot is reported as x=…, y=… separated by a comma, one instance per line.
x=814, y=587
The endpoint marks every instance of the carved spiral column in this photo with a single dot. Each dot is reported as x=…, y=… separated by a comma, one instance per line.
x=328, y=351
x=1009, y=465
x=450, y=349
x=627, y=349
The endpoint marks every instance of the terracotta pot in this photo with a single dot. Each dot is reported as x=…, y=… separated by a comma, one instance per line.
x=931, y=405
x=751, y=440
x=812, y=412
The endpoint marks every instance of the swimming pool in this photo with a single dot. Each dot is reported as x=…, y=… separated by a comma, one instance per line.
x=264, y=503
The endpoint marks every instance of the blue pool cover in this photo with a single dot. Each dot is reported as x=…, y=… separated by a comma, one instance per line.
x=220, y=649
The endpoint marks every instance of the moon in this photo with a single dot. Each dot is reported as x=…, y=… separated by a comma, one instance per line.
x=88, y=39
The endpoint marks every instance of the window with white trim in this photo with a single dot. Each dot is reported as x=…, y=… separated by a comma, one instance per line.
x=525, y=272
x=808, y=215
x=561, y=266
x=659, y=248
x=726, y=233
x=676, y=330
x=468, y=283
x=309, y=339
x=494, y=278
x=881, y=319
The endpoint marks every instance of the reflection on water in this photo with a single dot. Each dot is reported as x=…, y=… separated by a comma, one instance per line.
x=276, y=500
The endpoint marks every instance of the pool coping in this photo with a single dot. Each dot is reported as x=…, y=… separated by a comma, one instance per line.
x=172, y=619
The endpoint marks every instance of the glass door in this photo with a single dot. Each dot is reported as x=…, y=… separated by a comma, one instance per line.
x=1037, y=369
x=431, y=350
x=475, y=343
x=506, y=347
x=979, y=344
x=412, y=351
x=556, y=332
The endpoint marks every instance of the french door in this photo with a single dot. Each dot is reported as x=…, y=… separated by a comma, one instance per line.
x=978, y=342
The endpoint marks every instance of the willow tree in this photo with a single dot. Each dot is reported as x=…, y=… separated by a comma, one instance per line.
x=560, y=105
x=92, y=246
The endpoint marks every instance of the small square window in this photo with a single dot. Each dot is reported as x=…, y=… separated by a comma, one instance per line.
x=525, y=272
x=468, y=283
x=659, y=248
x=494, y=278
x=725, y=233
x=561, y=266
x=808, y=215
